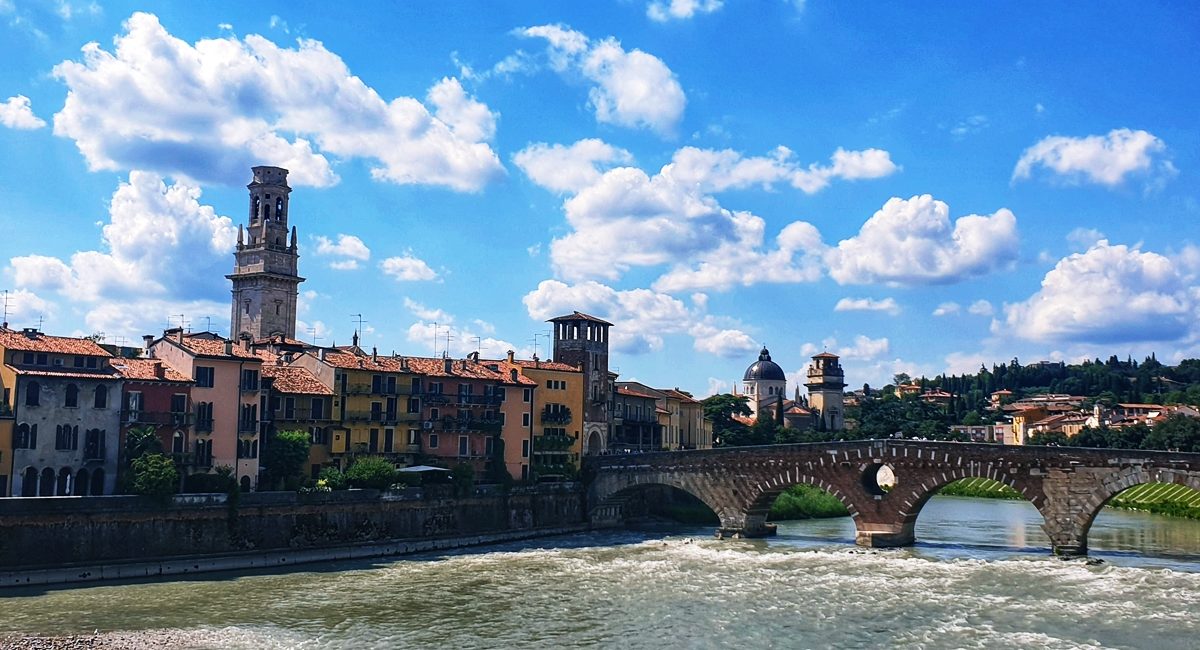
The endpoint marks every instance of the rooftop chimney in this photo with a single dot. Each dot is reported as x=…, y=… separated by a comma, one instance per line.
x=146, y=341
x=228, y=346
x=374, y=354
x=510, y=356
x=321, y=354
x=448, y=363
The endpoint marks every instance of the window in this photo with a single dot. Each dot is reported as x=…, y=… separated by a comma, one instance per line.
x=133, y=406
x=91, y=362
x=27, y=358
x=524, y=449
x=66, y=437
x=434, y=414
x=249, y=380
x=177, y=443
x=373, y=446
x=527, y=395
x=249, y=419
x=204, y=377
x=78, y=361
x=414, y=437
x=100, y=398
x=414, y=405
x=433, y=441
x=435, y=388
x=204, y=416
x=24, y=436
x=71, y=396
x=93, y=446
x=488, y=445
x=33, y=394
x=318, y=408
x=179, y=403
x=463, y=445
x=42, y=359
x=376, y=384
x=524, y=419
x=389, y=440
x=289, y=408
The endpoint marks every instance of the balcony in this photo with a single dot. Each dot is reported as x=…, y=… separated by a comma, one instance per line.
x=553, y=444
x=302, y=415
x=558, y=416
x=204, y=425
x=129, y=416
x=369, y=389
x=248, y=428
x=382, y=417
x=465, y=426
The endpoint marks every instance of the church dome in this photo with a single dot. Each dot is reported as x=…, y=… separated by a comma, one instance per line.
x=764, y=368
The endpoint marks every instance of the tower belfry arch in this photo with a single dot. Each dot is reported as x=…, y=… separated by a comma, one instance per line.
x=265, y=277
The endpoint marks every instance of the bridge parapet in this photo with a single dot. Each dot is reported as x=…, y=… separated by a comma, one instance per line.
x=1067, y=485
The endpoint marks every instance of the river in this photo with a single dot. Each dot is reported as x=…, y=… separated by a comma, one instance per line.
x=979, y=577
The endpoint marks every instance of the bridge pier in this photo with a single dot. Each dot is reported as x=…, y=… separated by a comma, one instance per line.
x=878, y=535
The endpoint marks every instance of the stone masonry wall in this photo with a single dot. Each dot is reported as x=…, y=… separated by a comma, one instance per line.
x=88, y=530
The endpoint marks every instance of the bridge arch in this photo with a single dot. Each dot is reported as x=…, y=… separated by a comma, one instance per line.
x=1119, y=482
x=607, y=498
x=763, y=494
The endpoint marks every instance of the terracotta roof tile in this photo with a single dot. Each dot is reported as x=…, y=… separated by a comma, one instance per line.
x=543, y=364
x=35, y=341
x=147, y=370
x=75, y=374
x=680, y=395
x=211, y=347
x=621, y=390
x=295, y=380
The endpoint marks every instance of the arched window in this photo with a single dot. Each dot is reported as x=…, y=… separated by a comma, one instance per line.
x=97, y=487
x=33, y=394
x=81, y=483
x=46, y=486
x=177, y=443
x=21, y=437
x=101, y=401
x=267, y=212
x=245, y=484
x=71, y=399
x=254, y=211
x=29, y=482
x=63, y=488
x=279, y=208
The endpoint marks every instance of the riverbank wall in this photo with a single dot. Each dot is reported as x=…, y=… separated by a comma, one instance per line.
x=78, y=539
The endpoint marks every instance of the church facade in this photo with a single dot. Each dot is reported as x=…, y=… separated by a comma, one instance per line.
x=764, y=384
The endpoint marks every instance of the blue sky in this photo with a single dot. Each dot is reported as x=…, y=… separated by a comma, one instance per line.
x=915, y=189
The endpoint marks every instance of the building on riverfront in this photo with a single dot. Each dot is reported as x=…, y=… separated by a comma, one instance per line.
x=765, y=386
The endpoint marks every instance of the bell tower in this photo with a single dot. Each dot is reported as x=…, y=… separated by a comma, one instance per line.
x=582, y=340
x=265, y=279
x=825, y=383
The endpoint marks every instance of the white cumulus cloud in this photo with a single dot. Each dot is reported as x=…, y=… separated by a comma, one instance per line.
x=680, y=9
x=210, y=110
x=1100, y=159
x=1108, y=294
x=630, y=88
x=348, y=249
x=981, y=308
x=623, y=217
x=912, y=242
x=166, y=254
x=641, y=317
x=407, y=268
x=887, y=305
x=17, y=113
x=947, y=309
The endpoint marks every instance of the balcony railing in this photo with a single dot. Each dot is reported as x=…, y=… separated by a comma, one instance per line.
x=463, y=426
x=247, y=428
x=383, y=417
x=553, y=443
x=561, y=416
x=129, y=416
x=204, y=425
x=368, y=389
x=302, y=415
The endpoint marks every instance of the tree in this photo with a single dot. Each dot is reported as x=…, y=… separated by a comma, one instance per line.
x=1177, y=432
x=154, y=475
x=371, y=472
x=463, y=476
x=721, y=409
x=284, y=456
x=139, y=441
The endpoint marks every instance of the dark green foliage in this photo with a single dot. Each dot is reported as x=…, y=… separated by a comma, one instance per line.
x=332, y=478
x=721, y=409
x=284, y=456
x=139, y=441
x=371, y=472
x=154, y=475
x=806, y=502
x=463, y=476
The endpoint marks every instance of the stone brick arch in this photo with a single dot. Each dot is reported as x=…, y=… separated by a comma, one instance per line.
x=1116, y=483
x=607, y=498
x=765, y=493
x=912, y=496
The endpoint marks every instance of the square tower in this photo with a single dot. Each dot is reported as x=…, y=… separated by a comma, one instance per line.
x=265, y=279
x=825, y=384
x=582, y=341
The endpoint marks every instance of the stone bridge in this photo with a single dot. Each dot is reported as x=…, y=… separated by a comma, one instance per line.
x=1067, y=485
